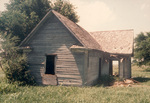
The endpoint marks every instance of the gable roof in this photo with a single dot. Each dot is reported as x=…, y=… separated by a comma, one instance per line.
x=116, y=41
x=79, y=33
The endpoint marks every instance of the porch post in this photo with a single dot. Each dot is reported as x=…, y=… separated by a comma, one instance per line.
x=127, y=72
x=125, y=68
x=121, y=68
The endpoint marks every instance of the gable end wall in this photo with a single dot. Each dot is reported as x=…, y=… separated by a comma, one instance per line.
x=54, y=38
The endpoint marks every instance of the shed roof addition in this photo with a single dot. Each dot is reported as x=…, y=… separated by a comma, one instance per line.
x=116, y=41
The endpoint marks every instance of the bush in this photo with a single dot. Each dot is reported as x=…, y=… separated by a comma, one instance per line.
x=14, y=62
x=106, y=80
x=16, y=70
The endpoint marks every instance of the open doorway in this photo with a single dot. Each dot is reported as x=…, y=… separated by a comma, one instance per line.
x=99, y=67
x=50, y=64
x=115, y=66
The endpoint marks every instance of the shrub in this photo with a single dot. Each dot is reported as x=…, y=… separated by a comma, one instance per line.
x=14, y=62
x=106, y=80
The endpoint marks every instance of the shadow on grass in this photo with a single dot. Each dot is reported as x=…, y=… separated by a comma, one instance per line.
x=141, y=79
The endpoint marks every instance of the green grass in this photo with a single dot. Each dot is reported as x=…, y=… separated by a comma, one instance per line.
x=141, y=74
x=66, y=94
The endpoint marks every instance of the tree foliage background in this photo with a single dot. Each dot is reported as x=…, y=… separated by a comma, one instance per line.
x=142, y=49
x=67, y=9
x=22, y=16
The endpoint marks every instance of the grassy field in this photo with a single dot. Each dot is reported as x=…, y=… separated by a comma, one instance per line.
x=62, y=94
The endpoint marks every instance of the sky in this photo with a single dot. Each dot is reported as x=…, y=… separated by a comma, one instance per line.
x=103, y=15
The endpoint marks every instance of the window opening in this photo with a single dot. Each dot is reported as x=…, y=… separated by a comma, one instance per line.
x=50, y=64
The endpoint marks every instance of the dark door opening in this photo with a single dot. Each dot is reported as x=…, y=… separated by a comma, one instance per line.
x=50, y=64
x=110, y=67
x=99, y=67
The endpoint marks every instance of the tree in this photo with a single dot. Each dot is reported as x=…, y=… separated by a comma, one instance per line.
x=67, y=9
x=13, y=62
x=23, y=15
x=142, y=49
x=40, y=7
x=14, y=23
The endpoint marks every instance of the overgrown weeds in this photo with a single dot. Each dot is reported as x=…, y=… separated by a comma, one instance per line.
x=6, y=88
x=106, y=80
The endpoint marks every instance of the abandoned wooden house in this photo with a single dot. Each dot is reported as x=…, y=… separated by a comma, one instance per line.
x=61, y=52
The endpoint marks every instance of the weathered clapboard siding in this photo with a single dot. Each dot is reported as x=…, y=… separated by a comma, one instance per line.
x=54, y=38
x=73, y=74
x=93, y=70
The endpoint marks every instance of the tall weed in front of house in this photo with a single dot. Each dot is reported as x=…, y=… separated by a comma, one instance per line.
x=6, y=88
x=14, y=62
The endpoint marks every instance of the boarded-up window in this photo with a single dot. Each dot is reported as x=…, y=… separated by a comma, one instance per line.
x=50, y=64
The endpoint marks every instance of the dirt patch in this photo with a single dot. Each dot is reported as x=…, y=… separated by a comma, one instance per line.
x=125, y=83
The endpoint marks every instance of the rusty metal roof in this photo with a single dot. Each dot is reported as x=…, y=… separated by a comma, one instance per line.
x=116, y=41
